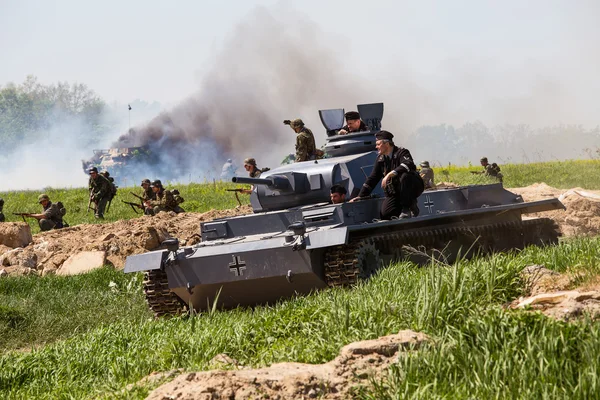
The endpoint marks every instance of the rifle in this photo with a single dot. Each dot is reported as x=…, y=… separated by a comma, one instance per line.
x=476, y=172
x=23, y=215
x=236, y=191
x=133, y=206
x=90, y=202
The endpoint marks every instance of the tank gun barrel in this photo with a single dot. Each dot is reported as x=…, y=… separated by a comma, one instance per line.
x=251, y=181
x=277, y=182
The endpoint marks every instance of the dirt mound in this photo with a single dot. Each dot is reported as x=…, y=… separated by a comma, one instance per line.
x=355, y=365
x=582, y=216
x=49, y=250
x=548, y=294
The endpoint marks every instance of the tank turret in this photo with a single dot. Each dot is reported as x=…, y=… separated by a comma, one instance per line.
x=349, y=161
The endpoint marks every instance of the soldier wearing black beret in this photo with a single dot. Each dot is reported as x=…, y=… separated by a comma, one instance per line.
x=353, y=123
x=401, y=183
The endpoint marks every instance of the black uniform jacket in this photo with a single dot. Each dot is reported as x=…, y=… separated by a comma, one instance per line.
x=401, y=161
x=362, y=128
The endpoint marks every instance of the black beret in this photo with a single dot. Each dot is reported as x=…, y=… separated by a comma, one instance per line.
x=383, y=135
x=352, y=115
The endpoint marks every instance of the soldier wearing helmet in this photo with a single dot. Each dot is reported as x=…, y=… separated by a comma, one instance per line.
x=353, y=123
x=252, y=169
x=305, y=140
x=163, y=200
x=147, y=194
x=426, y=174
x=51, y=217
x=100, y=191
x=492, y=170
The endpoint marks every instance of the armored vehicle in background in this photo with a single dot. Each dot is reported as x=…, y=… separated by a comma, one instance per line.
x=117, y=159
x=297, y=241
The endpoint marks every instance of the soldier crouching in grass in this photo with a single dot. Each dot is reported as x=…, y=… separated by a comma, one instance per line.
x=52, y=216
x=163, y=200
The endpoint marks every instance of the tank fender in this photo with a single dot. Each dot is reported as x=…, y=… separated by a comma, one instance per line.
x=146, y=262
x=327, y=237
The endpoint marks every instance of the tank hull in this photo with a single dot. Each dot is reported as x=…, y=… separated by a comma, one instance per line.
x=255, y=259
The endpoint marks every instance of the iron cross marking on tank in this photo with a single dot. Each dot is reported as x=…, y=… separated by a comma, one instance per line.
x=238, y=266
x=428, y=204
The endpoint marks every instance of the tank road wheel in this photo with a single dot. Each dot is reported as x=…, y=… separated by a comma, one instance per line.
x=345, y=265
x=161, y=300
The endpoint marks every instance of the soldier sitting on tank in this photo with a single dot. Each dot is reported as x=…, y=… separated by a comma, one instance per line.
x=427, y=175
x=163, y=201
x=401, y=183
x=338, y=194
x=492, y=170
x=52, y=215
x=353, y=124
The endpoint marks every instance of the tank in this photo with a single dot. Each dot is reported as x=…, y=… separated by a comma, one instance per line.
x=117, y=159
x=296, y=241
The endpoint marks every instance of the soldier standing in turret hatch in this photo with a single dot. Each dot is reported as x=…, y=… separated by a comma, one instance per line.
x=353, y=124
x=305, y=140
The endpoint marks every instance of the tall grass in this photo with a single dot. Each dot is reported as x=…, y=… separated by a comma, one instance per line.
x=479, y=350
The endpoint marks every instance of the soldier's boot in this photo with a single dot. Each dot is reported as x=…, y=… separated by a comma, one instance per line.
x=46, y=224
x=405, y=213
x=414, y=208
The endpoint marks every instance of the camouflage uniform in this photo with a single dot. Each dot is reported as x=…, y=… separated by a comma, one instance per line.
x=493, y=171
x=164, y=201
x=428, y=178
x=52, y=217
x=101, y=189
x=305, y=145
x=148, y=194
x=255, y=173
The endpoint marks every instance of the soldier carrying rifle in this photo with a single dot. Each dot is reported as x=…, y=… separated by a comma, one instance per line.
x=100, y=191
x=52, y=215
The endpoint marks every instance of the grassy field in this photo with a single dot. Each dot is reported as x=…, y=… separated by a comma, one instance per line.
x=201, y=197
x=90, y=336
x=480, y=350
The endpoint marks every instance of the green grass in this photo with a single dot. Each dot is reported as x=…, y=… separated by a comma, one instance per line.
x=201, y=197
x=198, y=198
x=38, y=310
x=560, y=174
x=480, y=351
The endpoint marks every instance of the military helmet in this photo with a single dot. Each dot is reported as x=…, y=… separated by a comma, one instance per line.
x=297, y=123
x=250, y=161
x=424, y=164
x=93, y=169
x=229, y=160
x=43, y=197
x=483, y=159
x=156, y=183
x=145, y=181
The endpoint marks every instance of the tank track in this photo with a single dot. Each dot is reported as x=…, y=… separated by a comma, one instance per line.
x=343, y=265
x=161, y=300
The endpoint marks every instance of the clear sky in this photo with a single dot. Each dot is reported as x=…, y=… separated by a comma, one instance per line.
x=158, y=50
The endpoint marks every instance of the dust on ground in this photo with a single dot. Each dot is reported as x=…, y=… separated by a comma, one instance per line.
x=355, y=365
x=582, y=216
x=553, y=294
x=49, y=250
